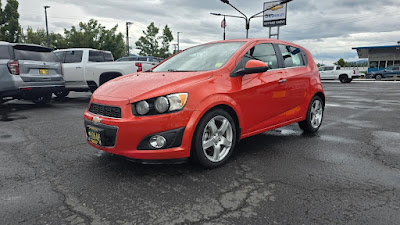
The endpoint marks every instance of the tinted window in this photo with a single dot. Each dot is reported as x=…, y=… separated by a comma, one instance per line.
x=108, y=57
x=396, y=68
x=262, y=52
x=382, y=64
x=73, y=56
x=35, y=56
x=4, y=54
x=290, y=59
x=96, y=56
x=337, y=68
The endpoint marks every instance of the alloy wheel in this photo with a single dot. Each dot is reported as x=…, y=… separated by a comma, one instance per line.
x=217, y=139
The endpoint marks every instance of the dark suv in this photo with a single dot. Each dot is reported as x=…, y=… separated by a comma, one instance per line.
x=30, y=72
x=392, y=72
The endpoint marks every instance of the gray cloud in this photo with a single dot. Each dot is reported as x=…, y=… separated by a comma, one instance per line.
x=318, y=25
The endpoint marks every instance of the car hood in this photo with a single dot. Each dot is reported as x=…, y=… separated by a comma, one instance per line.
x=136, y=87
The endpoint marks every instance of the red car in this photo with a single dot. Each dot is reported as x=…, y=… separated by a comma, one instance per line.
x=199, y=103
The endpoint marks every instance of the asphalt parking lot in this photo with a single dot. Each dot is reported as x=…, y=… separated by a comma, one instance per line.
x=347, y=173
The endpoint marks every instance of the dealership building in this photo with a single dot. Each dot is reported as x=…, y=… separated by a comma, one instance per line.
x=380, y=57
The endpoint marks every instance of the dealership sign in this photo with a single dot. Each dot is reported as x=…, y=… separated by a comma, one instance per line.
x=275, y=16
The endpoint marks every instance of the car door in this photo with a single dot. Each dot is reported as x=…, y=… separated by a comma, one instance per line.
x=297, y=79
x=395, y=73
x=74, y=71
x=260, y=95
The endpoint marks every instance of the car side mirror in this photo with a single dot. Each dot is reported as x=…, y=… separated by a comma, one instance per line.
x=252, y=66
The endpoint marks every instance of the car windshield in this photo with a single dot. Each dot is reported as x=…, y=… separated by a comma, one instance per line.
x=201, y=58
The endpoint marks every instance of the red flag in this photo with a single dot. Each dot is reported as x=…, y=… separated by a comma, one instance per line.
x=223, y=23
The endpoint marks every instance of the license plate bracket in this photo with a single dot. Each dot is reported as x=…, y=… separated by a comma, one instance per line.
x=95, y=135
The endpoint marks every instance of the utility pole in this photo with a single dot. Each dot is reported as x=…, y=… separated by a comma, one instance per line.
x=178, y=39
x=47, y=25
x=127, y=37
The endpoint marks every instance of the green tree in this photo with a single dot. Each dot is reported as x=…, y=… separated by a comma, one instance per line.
x=10, y=28
x=94, y=35
x=340, y=62
x=149, y=43
x=39, y=37
x=166, y=40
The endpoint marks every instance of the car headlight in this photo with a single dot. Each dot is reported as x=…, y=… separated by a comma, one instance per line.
x=160, y=105
x=142, y=107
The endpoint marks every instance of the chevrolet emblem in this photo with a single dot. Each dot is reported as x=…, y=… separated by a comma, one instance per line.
x=96, y=119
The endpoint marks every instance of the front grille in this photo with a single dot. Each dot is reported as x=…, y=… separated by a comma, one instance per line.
x=105, y=110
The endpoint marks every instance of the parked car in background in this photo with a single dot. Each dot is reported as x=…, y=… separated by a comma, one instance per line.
x=202, y=101
x=86, y=69
x=144, y=63
x=337, y=73
x=30, y=72
x=392, y=72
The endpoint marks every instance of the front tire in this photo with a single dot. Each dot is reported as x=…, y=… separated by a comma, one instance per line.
x=43, y=99
x=315, y=114
x=214, y=139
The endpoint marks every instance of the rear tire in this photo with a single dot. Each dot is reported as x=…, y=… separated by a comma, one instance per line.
x=214, y=139
x=349, y=80
x=62, y=94
x=43, y=99
x=315, y=115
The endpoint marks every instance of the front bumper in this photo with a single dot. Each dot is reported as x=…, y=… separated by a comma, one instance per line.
x=131, y=133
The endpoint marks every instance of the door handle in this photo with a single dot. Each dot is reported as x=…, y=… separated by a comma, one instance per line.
x=282, y=81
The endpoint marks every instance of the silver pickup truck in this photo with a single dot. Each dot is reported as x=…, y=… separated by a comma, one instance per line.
x=29, y=72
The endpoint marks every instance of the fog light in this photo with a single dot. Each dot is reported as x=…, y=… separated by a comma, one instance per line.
x=157, y=141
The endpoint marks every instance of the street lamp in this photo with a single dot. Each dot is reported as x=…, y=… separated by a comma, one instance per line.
x=47, y=25
x=247, y=19
x=127, y=37
x=178, y=39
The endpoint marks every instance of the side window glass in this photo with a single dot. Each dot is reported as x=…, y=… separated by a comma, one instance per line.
x=338, y=68
x=73, y=56
x=96, y=56
x=291, y=59
x=262, y=52
x=395, y=68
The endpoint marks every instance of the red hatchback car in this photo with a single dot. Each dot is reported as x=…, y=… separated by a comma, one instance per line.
x=199, y=103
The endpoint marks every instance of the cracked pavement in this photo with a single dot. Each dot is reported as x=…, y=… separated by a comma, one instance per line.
x=347, y=173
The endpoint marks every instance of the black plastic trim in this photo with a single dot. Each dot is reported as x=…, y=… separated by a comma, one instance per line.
x=173, y=137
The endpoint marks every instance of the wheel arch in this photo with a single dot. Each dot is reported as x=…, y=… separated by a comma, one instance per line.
x=107, y=76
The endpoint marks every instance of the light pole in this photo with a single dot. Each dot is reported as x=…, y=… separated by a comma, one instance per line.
x=247, y=19
x=127, y=37
x=47, y=25
x=178, y=39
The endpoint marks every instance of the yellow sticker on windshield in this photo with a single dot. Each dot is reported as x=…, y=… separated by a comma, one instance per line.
x=218, y=65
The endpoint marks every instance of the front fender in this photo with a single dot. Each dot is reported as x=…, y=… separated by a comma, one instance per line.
x=209, y=103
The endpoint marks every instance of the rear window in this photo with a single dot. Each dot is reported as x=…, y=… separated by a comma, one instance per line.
x=99, y=56
x=73, y=56
x=32, y=55
x=108, y=57
x=4, y=54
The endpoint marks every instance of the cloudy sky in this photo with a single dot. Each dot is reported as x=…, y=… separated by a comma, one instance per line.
x=329, y=28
